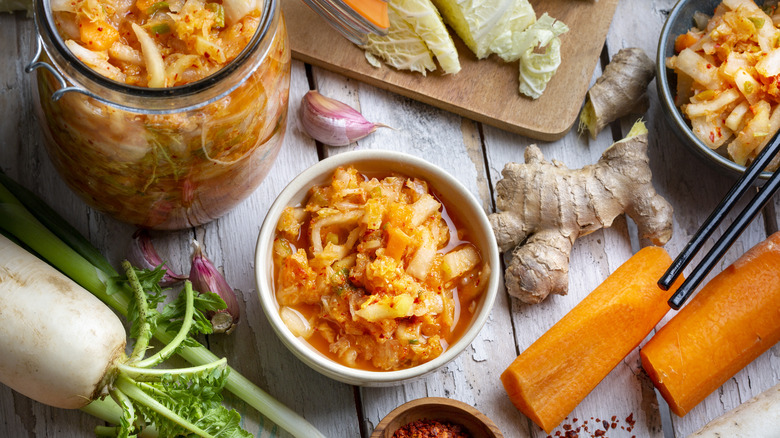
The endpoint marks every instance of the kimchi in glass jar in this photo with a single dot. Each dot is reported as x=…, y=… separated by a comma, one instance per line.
x=164, y=114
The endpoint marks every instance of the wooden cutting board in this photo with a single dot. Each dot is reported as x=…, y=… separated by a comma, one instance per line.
x=484, y=90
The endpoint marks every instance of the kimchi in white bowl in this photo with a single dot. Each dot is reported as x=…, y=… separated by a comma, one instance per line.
x=376, y=267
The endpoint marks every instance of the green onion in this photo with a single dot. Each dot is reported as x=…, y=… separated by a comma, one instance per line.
x=94, y=273
x=757, y=22
x=51, y=220
x=161, y=28
x=219, y=11
x=156, y=7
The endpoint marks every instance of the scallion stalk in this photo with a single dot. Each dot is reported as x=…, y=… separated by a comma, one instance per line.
x=52, y=243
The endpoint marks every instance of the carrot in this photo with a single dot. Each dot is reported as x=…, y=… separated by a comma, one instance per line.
x=550, y=378
x=683, y=41
x=97, y=35
x=374, y=11
x=730, y=322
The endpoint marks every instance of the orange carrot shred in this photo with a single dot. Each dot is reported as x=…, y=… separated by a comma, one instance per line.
x=683, y=41
x=97, y=35
x=552, y=376
x=730, y=322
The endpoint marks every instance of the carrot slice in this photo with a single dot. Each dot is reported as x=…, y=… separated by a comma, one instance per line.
x=552, y=376
x=730, y=322
x=97, y=35
x=683, y=41
x=374, y=11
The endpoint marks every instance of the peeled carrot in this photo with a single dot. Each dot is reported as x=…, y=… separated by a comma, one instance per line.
x=552, y=376
x=731, y=321
x=374, y=11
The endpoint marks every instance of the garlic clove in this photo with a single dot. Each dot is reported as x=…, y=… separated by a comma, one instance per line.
x=332, y=122
x=142, y=254
x=206, y=278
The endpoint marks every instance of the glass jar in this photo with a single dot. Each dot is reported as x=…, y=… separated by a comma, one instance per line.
x=164, y=158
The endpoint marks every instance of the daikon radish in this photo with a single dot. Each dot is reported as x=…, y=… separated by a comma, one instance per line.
x=552, y=376
x=61, y=351
x=36, y=225
x=758, y=417
x=730, y=322
x=61, y=346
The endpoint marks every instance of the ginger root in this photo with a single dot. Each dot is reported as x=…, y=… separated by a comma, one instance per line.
x=545, y=207
x=621, y=90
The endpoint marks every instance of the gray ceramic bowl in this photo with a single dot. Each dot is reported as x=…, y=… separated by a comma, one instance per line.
x=679, y=22
x=453, y=193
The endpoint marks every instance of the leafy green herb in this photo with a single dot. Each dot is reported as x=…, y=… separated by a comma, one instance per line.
x=178, y=402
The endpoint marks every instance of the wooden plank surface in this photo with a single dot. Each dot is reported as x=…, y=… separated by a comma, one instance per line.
x=452, y=143
x=475, y=154
x=694, y=188
x=484, y=90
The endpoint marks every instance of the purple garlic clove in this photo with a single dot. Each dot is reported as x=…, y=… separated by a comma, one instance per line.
x=143, y=255
x=206, y=278
x=332, y=122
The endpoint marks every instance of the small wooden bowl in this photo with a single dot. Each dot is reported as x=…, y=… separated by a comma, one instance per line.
x=441, y=409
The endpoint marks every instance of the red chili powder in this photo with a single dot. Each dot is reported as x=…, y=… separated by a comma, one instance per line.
x=426, y=428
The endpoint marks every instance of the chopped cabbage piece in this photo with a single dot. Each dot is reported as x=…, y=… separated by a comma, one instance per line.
x=401, y=48
x=423, y=17
x=478, y=22
x=539, y=62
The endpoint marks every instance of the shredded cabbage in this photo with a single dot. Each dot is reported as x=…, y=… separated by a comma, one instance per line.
x=727, y=78
x=172, y=42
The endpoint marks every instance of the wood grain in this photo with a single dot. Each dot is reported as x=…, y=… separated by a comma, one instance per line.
x=475, y=154
x=484, y=90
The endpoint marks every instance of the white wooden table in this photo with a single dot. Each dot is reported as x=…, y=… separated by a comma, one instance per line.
x=475, y=154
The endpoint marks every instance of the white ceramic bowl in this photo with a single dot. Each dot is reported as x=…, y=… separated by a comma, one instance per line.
x=454, y=193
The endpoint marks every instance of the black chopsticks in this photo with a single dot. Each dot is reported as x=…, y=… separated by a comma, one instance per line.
x=732, y=233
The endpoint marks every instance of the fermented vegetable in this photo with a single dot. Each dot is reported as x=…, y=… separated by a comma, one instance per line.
x=552, y=376
x=172, y=158
x=729, y=323
x=727, y=84
x=373, y=272
x=156, y=43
